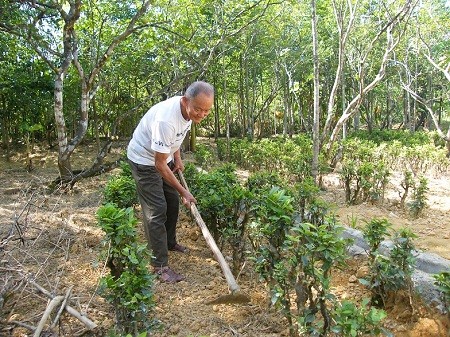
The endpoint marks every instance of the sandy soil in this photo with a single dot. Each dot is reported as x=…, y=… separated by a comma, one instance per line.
x=62, y=244
x=432, y=227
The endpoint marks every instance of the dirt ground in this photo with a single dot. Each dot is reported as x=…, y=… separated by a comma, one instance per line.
x=62, y=244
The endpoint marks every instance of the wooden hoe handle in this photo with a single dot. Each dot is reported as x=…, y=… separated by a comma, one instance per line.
x=211, y=243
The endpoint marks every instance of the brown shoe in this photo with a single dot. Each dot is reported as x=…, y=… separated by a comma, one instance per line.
x=179, y=248
x=166, y=274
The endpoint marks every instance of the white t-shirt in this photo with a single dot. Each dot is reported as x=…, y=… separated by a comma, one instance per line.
x=162, y=129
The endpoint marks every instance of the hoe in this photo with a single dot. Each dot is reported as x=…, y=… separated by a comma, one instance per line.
x=235, y=296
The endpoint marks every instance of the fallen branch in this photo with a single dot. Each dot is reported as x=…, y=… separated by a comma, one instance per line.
x=53, y=303
x=61, y=309
x=24, y=325
x=86, y=321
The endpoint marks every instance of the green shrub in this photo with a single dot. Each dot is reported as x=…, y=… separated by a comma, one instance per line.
x=125, y=169
x=222, y=202
x=419, y=197
x=442, y=281
x=407, y=183
x=261, y=181
x=204, y=156
x=392, y=272
x=121, y=191
x=129, y=286
x=296, y=258
x=364, y=171
x=121, y=188
x=352, y=321
x=405, y=137
x=290, y=158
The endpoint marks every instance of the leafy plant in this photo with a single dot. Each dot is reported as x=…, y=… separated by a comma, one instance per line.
x=419, y=198
x=204, y=156
x=351, y=320
x=407, y=183
x=222, y=202
x=306, y=193
x=442, y=281
x=262, y=181
x=364, y=171
x=388, y=274
x=121, y=189
x=296, y=258
x=129, y=285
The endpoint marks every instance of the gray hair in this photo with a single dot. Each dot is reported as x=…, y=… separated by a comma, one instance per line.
x=199, y=87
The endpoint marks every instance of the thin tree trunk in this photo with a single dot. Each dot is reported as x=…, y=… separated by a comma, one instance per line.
x=316, y=122
x=386, y=31
x=339, y=14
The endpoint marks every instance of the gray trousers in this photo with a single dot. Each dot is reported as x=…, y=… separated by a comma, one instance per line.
x=160, y=205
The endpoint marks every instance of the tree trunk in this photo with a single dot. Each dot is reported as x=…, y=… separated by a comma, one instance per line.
x=193, y=137
x=340, y=15
x=5, y=128
x=316, y=122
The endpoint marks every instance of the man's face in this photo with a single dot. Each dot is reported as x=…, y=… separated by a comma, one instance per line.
x=199, y=107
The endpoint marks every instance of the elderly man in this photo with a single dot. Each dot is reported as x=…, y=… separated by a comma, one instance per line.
x=154, y=156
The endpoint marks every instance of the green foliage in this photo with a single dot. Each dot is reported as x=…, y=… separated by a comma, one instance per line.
x=296, y=258
x=262, y=181
x=364, y=171
x=392, y=272
x=125, y=169
x=414, y=151
x=405, y=137
x=402, y=252
x=290, y=158
x=190, y=173
x=352, y=321
x=442, y=281
x=407, y=183
x=204, y=156
x=419, y=197
x=121, y=189
x=129, y=285
x=274, y=213
x=375, y=232
x=222, y=202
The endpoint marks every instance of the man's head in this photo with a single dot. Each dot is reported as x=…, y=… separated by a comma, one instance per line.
x=197, y=101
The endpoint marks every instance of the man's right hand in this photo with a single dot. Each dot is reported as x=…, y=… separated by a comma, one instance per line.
x=187, y=198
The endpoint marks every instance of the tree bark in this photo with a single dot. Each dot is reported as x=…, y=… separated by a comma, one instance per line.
x=316, y=120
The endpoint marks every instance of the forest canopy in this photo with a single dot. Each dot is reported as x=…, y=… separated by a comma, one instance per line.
x=77, y=70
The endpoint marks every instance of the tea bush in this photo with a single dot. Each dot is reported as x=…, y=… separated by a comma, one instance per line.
x=419, y=197
x=352, y=321
x=296, y=258
x=442, y=281
x=364, y=171
x=129, y=286
x=391, y=272
x=204, y=156
x=290, y=158
x=222, y=202
x=121, y=189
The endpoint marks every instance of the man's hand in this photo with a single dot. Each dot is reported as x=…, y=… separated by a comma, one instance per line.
x=187, y=198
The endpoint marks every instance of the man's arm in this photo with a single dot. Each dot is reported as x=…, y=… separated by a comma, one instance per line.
x=169, y=177
x=178, y=162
